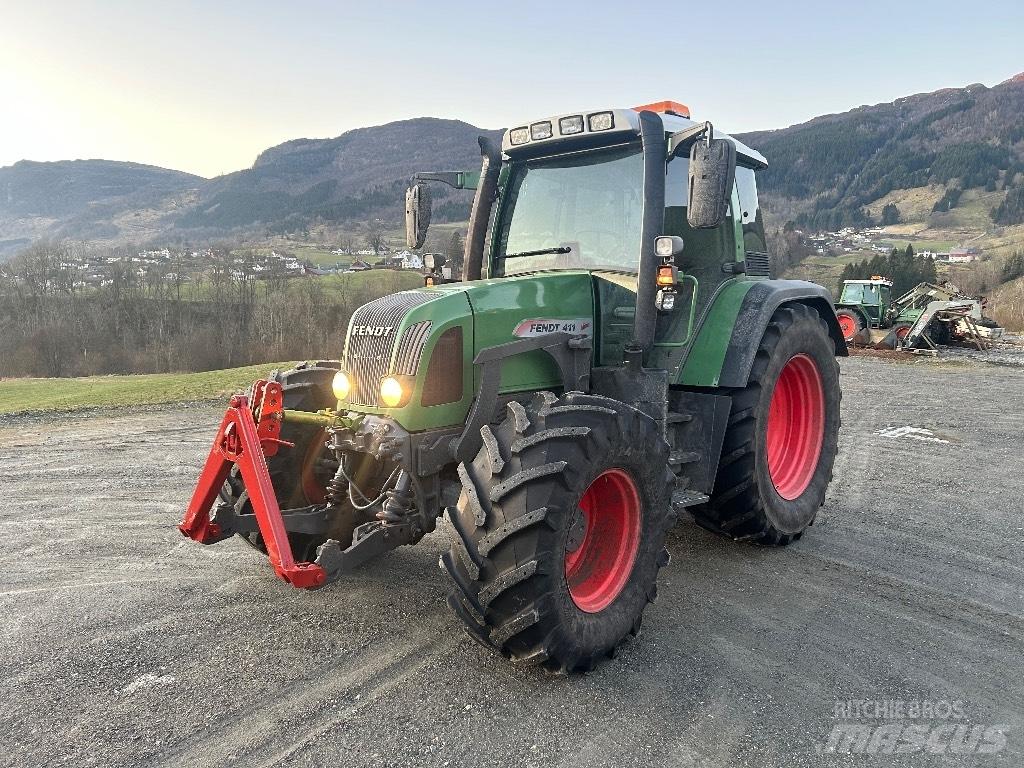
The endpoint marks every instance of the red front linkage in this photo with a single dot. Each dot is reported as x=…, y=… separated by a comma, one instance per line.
x=245, y=437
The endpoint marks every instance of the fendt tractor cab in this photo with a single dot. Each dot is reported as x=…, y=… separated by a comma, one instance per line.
x=616, y=352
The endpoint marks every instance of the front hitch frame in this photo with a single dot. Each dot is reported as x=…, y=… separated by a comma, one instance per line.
x=244, y=438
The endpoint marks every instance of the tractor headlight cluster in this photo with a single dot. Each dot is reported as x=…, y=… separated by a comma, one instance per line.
x=570, y=125
x=341, y=385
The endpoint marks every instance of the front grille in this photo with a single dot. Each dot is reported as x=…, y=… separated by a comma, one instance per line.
x=407, y=361
x=367, y=356
x=758, y=264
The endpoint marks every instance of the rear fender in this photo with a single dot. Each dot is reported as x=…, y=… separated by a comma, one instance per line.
x=742, y=319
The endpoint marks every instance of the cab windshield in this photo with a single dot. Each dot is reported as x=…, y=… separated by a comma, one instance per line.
x=581, y=211
x=859, y=293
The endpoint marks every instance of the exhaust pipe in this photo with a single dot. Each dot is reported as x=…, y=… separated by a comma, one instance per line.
x=483, y=201
x=652, y=134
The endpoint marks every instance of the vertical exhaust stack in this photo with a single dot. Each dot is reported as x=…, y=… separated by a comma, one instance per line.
x=652, y=134
x=483, y=201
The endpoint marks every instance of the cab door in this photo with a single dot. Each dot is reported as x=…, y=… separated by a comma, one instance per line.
x=700, y=265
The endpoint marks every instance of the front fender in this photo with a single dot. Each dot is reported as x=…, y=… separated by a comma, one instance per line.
x=723, y=352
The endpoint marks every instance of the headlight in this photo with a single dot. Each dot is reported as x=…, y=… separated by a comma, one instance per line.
x=540, y=131
x=395, y=391
x=341, y=385
x=570, y=125
x=519, y=136
x=601, y=121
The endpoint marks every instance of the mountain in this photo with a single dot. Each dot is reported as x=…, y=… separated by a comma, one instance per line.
x=82, y=198
x=358, y=175
x=832, y=171
x=924, y=157
x=354, y=177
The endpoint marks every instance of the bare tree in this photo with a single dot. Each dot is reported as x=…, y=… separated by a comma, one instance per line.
x=375, y=241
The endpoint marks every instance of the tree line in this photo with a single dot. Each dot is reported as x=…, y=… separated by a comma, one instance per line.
x=900, y=265
x=155, y=318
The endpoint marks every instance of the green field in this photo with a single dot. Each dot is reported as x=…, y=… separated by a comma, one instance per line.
x=938, y=246
x=21, y=395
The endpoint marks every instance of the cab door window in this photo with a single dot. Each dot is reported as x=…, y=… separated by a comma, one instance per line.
x=705, y=250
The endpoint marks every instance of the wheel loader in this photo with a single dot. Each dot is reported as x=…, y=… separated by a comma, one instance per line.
x=616, y=352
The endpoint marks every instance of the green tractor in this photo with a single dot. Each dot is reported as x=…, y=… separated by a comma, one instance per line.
x=616, y=352
x=867, y=304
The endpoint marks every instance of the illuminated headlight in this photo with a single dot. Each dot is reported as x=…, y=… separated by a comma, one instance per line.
x=519, y=136
x=570, y=125
x=394, y=392
x=601, y=121
x=540, y=131
x=341, y=385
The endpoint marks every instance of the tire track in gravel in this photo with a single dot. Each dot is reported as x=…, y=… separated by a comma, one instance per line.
x=303, y=711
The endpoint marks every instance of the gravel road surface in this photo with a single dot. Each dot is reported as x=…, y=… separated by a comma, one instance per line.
x=123, y=644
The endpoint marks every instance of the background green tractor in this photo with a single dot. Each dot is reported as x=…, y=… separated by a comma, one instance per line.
x=867, y=304
x=616, y=353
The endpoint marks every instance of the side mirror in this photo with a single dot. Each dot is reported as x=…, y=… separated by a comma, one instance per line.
x=417, y=215
x=712, y=173
x=434, y=261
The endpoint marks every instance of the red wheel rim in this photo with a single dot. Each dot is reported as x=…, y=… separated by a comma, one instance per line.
x=796, y=427
x=902, y=331
x=598, y=567
x=848, y=326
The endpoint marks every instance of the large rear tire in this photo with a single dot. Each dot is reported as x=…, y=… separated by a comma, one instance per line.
x=559, y=531
x=780, y=443
x=300, y=474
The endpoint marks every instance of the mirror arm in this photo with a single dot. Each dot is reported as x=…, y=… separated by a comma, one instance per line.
x=454, y=179
x=678, y=140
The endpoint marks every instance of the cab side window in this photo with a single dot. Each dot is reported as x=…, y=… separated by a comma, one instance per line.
x=751, y=217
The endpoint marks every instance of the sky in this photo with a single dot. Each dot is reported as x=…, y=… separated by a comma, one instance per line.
x=205, y=86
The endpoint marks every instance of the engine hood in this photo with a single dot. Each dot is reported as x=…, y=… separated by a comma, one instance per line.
x=429, y=337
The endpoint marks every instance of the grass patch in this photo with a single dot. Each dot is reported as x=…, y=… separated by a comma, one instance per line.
x=57, y=395
x=937, y=246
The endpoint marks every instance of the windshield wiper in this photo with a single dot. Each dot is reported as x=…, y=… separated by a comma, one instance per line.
x=540, y=252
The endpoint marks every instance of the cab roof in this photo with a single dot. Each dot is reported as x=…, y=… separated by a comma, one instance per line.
x=625, y=122
x=873, y=281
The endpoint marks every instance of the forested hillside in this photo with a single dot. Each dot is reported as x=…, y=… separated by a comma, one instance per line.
x=831, y=171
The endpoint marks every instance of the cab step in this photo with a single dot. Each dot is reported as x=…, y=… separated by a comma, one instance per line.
x=684, y=498
x=677, y=458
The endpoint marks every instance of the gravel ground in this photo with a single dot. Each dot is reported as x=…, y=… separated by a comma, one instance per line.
x=123, y=644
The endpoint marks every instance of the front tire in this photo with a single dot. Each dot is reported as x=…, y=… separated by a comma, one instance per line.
x=559, y=531
x=780, y=443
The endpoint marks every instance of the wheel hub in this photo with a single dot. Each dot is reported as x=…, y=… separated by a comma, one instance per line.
x=848, y=326
x=602, y=541
x=796, y=427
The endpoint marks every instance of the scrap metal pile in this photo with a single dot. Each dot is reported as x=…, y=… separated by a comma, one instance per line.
x=921, y=320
